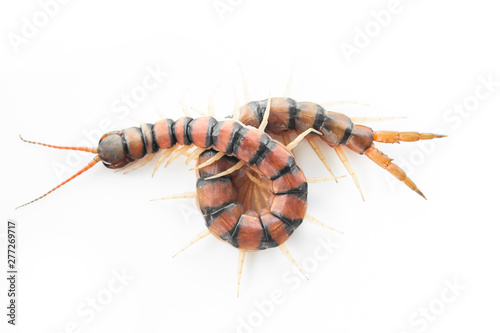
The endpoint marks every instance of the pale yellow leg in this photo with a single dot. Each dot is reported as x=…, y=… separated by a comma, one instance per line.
x=211, y=160
x=321, y=224
x=312, y=180
x=285, y=251
x=185, y=195
x=143, y=162
x=314, y=145
x=256, y=195
x=265, y=118
x=243, y=189
x=299, y=138
x=126, y=166
x=241, y=260
x=232, y=169
x=286, y=139
x=165, y=154
x=194, y=154
x=200, y=236
x=259, y=182
x=349, y=168
x=179, y=151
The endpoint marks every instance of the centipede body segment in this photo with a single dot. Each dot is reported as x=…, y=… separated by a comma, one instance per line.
x=250, y=189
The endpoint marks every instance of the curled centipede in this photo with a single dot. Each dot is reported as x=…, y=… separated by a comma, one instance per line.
x=250, y=189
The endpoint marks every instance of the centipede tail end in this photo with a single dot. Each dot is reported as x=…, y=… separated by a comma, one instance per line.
x=385, y=162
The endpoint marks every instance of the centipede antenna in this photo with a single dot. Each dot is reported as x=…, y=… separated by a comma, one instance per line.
x=232, y=169
x=265, y=118
x=200, y=236
x=299, y=138
x=314, y=220
x=211, y=160
x=343, y=158
x=185, y=195
x=241, y=260
x=88, y=166
x=285, y=251
x=314, y=145
x=86, y=149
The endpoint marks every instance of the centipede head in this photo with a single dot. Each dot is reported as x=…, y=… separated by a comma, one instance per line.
x=112, y=150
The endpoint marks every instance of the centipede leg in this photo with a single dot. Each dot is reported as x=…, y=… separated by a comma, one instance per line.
x=241, y=260
x=312, y=180
x=299, y=138
x=200, y=236
x=185, y=195
x=285, y=251
x=260, y=183
x=194, y=155
x=321, y=224
x=143, y=162
x=385, y=162
x=232, y=169
x=314, y=145
x=211, y=160
x=343, y=158
x=165, y=154
x=265, y=117
x=126, y=167
x=179, y=151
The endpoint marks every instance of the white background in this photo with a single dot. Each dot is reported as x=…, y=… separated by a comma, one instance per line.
x=398, y=250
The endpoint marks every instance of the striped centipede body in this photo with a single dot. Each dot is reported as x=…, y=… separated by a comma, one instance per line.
x=232, y=152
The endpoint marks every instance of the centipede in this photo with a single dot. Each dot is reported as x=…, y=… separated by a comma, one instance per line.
x=250, y=189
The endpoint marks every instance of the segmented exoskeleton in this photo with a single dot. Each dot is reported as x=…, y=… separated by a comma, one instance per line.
x=337, y=130
x=231, y=150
